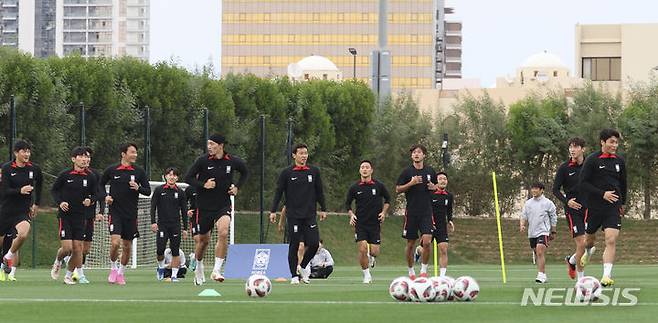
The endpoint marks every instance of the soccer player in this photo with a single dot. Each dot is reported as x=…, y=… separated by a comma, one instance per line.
x=372, y=203
x=541, y=218
x=566, y=179
x=603, y=181
x=170, y=206
x=442, y=203
x=74, y=191
x=417, y=182
x=212, y=178
x=302, y=186
x=20, y=192
x=126, y=181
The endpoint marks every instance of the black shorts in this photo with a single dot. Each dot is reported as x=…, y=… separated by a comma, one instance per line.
x=303, y=230
x=371, y=233
x=440, y=233
x=604, y=219
x=413, y=224
x=8, y=223
x=126, y=228
x=539, y=240
x=71, y=227
x=203, y=220
x=576, y=221
x=89, y=230
x=171, y=233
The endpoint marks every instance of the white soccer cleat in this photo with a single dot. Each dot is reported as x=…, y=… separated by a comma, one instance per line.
x=69, y=281
x=584, y=260
x=294, y=281
x=306, y=275
x=367, y=279
x=54, y=272
x=217, y=277
x=541, y=278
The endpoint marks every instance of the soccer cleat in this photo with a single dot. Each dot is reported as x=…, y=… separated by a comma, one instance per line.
x=121, y=279
x=417, y=254
x=607, y=281
x=68, y=280
x=584, y=260
x=367, y=279
x=197, y=281
x=541, y=279
x=159, y=273
x=112, y=278
x=7, y=263
x=75, y=276
x=412, y=276
x=294, y=281
x=11, y=278
x=217, y=277
x=306, y=274
x=372, y=261
x=173, y=279
x=571, y=268
x=83, y=280
x=192, y=262
x=54, y=272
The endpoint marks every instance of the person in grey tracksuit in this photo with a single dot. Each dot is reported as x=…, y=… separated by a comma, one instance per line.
x=541, y=219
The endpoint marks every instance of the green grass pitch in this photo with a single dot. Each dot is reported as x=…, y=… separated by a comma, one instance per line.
x=35, y=297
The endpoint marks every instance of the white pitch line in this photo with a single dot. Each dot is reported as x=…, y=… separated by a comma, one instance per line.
x=261, y=301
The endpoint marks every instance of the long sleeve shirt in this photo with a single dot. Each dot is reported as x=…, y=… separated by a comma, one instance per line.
x=100, y=194
x=125, y=199
x=223, y=171
x=601, y=173
x=442, y=202
x=370, y=198
x=566, y=179
x=169, y=205
x=322, y=259
x=302, y=186
x=73, y=187
x=541, y=216
x=13, y=179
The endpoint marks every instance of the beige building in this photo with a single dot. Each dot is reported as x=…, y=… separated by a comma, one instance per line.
x=616, y=54
x=264, y=36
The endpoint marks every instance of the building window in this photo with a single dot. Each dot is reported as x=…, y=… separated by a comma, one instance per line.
x=291, y=38
x=266, y=60
x=602, y=68
x=316, y=38
x=267, y=17
x=242, y=16
x=242, y=38
x=266, y=38
x=365, y=17
x=341, y=16
x=316, y=17
x=554, y=73
x=414, y=60
x=325, y=77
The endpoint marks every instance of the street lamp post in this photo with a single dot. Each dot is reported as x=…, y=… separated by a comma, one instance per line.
x=353, y=52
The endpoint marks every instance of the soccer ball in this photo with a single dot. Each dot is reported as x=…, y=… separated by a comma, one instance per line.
x=442, y=288
x=588, y=289
x=422, y=291
x=399, y=289
x=451, y=281
x=466, y=289
x=258, y=286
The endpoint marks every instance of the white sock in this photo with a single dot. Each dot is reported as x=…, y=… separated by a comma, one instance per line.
x=580, y=274
x=218, y=265
x=81, y=272
x=423, y=268
x=68, y=273
x=572, y=259
x=174, y=272
x=161, y=264
x=199, y=266
x=366, y=272
x=66, y=259
x=13, y=271
x=57, y=262
x=114, y=265
x=588, y=251
x=442, y=271
x=122, y=268
x=412, y=272
x=9, y=255
x=607, y=270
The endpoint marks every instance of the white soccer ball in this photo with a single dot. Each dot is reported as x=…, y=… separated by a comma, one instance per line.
x=451, y=281
x=588, y=289
x=399, y=289
x=442, y=288
x=466, y=289
x=258, y=286
x=422, y=290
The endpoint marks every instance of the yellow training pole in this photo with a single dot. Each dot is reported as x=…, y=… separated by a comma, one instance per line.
x=436, y=258
x=500, y=232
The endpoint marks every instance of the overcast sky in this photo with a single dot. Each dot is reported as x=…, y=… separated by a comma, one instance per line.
x=497, y=35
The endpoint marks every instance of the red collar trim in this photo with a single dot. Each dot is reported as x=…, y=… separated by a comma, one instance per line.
x=82, y=172
x=14, y=165
x=606, y=155
x=370, y=182
x=175, y=187
x=214, y=157
x=300, y=168
x=123, y=167
x=441, y=192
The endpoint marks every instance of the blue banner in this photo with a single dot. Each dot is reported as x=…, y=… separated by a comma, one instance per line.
x=244, y=260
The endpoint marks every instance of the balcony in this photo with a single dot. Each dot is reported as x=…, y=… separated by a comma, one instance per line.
x=454, y=46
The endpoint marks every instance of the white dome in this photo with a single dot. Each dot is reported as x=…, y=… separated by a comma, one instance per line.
x=543, y=59
x=316, y=63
